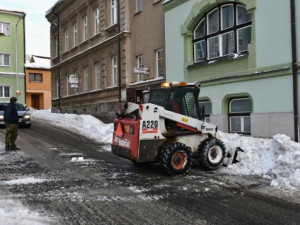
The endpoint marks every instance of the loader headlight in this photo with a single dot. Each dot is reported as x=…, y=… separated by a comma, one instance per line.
x=27, y=116
x=1, y=117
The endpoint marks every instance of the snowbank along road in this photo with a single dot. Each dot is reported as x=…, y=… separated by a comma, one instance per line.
x=64, y=178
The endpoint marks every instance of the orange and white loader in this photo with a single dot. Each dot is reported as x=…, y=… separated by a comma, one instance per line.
x=169, y=129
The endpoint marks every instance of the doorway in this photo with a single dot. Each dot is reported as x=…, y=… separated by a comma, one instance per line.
x=35, y=101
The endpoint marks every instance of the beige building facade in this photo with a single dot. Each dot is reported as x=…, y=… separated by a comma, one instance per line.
x=102, y=42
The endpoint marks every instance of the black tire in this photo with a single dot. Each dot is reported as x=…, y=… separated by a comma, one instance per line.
x=176, y=158
x=211, y=153
x=28, y=126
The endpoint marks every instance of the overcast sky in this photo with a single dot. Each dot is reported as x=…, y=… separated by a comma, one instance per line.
x=37, y=26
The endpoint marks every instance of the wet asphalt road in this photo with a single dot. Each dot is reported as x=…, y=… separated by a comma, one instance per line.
x=86, y=184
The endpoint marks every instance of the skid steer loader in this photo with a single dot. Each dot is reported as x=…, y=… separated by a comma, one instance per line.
x=169, y=129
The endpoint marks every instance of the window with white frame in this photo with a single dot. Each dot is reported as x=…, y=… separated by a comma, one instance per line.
x=97, y=76
x=223, y=31
x=86, y=78
x=240, y=110
x=139, y=5
x=4, y=59
x=96, y=21
x=114, y=67
x=66, y=40
x=5, y=28
x=4, y=91
x=75, y=33
x=84, y=26
x=160, y=62
x=207, y=109
x=139, y=64
x=114, y=12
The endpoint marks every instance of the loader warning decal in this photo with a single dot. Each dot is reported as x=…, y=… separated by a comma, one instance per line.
x=150, y=126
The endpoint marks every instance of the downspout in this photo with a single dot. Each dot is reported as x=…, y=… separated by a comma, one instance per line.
x=58, y=55
x=120, y=54
x=294, y=70
x=24, y=44
x=17, y=60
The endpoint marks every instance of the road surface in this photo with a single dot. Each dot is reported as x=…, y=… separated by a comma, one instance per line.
x=83, y=183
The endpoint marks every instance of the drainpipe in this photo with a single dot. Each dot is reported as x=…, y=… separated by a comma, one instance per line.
x=58, y=55
x=17, y=60
x=120, y=53
x=294, y=70
x=24, y=44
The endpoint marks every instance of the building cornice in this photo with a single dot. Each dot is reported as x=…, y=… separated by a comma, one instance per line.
x=100, y=44
x=173, y=4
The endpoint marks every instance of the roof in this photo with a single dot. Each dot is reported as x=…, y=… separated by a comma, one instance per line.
x=55, y=5
x=12, y=11
x=38, y=62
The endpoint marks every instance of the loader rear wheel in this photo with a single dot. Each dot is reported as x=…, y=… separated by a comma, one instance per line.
x=176, y=158
x=211, y=153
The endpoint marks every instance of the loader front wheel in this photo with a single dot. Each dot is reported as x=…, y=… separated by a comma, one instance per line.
x=176, y=158
x=211, y=153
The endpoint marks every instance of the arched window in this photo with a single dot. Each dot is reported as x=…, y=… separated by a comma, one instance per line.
x=223, y=31
x=240, y=115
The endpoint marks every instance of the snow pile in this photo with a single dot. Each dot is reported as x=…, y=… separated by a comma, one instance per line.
x=85, y=125
x=24, y=181
x=39, y=62
x=14, y=212
x=277, y=159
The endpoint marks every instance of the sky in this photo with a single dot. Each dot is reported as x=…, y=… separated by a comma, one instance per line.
x=37, y=26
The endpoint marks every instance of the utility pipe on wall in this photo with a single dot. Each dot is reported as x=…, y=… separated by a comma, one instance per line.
x=17, y=60
x=294, y=69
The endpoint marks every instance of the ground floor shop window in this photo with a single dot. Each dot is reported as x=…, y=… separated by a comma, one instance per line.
x=207, y=109
x=240, y=115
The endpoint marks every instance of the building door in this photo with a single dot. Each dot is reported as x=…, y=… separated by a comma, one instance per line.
x=35, y=101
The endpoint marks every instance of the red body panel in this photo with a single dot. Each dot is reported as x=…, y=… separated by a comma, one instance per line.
x=127, y=141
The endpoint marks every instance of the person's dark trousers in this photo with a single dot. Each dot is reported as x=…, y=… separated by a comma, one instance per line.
x=11, y=136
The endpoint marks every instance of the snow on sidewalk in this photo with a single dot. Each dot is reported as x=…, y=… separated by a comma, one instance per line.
x=277, y=159
x=85, y=125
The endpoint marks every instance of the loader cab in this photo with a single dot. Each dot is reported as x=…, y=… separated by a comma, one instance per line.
x=179, y=99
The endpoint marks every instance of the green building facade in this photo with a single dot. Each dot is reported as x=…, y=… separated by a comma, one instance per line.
x=12, y=53
x=241, y=52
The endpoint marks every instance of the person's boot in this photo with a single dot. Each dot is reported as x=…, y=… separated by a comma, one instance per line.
x=7, y=148
x=14, y=147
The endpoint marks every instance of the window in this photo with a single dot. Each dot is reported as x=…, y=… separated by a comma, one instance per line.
x=86, y=78
x=66, y=40
x=138, y=5
x=97, y=76
x=57, y=87
x=67, y=85
x=4, y=59
x=239, y=115
x=75, y=33
x=96, y=20
x=56, y=46
x=220, y=33
x=35, y=77
x=5, y=28
x=4, y=92
x=84, y=23
x=114, y=12
x=114, y=62
x=140, y=65
x=160, y=63
x=207, y=109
